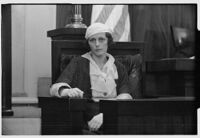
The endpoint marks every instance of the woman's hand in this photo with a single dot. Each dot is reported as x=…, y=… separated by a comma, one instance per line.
x=96, y=122
x=72, y=93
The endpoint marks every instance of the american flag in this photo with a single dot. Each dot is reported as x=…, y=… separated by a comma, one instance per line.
x=115, y=16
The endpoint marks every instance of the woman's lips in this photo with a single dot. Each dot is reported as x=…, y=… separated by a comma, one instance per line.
x=98, y=50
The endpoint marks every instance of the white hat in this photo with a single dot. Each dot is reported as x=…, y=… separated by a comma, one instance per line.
x=97, y=28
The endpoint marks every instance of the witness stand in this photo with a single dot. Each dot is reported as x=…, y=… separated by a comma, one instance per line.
x=177, y=115
x=61, y=116
x=158, y=116
x=172, y=115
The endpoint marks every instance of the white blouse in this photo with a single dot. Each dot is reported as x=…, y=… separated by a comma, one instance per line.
x=103, y=81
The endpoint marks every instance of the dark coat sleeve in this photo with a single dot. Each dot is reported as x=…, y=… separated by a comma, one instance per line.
x=122, y=82
x=69, y=72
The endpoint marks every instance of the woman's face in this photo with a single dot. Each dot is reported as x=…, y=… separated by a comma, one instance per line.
x=98, y=44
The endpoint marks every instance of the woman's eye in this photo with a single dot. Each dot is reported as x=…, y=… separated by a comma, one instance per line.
x=92, y=40
x=102, y=39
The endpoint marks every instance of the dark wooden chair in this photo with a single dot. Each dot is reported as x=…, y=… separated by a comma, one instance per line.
x=130, y=54
x=65, y=116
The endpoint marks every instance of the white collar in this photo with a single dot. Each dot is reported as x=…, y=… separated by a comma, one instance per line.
x=110, y=61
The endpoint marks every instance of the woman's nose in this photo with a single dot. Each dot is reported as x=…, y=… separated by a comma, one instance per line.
x=97, y=43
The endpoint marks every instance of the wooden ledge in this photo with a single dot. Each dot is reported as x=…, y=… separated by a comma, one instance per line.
x=24, y=101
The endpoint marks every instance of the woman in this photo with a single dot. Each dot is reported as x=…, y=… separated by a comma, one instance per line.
x=95, y=75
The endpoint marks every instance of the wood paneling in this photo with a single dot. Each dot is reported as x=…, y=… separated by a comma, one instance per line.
x=149, y=23
x=149, y=116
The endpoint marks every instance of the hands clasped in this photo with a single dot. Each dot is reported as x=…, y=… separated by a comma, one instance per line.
x=72, y=93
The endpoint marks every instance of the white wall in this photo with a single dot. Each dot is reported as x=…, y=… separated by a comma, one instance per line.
x=18, y=44
x=31, y=48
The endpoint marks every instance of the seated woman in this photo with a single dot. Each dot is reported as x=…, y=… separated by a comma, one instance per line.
x=94, y=75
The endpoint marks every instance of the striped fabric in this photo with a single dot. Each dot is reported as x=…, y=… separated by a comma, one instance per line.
x=115, y=16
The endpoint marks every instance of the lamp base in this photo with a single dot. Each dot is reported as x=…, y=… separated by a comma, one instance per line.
x=76, y=25
x=76, y=22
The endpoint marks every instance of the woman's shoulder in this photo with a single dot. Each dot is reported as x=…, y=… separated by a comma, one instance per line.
x=120, y=67
x=80, y=60
x=119, y=64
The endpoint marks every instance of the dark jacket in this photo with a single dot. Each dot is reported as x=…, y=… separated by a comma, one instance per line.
x=76, y=74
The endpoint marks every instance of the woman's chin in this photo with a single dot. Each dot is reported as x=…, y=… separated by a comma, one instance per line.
x=99, y=54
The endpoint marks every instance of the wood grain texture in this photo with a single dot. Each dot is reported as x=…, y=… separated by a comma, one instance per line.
x=149, y=116
x=149, y=23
